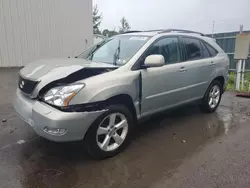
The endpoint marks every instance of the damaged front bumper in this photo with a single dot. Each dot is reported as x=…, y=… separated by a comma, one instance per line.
x=51, y=123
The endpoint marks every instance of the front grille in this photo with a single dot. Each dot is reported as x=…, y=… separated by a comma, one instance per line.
x=27, y=86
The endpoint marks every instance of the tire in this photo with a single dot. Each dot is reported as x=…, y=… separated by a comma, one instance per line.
x=94, y=140
x=205, y=103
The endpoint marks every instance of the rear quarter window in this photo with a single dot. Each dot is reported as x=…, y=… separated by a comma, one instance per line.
x=205, y=51
x=211, y=50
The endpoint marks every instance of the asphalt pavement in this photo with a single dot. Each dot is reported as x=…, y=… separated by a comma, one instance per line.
x=184, y=148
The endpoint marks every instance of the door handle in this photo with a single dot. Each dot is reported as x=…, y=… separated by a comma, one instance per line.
x=183, y=69
x=212, y=63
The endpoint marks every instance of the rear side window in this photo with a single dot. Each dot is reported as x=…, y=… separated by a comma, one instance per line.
x=193, y=48
x=211, y=50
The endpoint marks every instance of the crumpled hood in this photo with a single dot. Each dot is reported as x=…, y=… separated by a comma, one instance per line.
x=58, y=68
x=69, y=70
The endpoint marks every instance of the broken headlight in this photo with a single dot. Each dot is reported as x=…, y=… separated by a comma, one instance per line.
x=61, y=95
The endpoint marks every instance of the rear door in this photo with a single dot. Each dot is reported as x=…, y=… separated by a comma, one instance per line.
x=199, y=67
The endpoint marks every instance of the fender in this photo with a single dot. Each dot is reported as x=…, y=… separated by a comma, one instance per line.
x=103, y=87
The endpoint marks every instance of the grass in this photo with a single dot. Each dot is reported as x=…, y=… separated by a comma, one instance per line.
x=231, y=82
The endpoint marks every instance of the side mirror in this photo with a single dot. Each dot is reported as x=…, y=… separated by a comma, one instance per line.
x=154, y=61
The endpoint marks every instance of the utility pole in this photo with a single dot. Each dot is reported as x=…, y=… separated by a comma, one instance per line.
x=213, y=30
x=243, y=68
x=238, y=70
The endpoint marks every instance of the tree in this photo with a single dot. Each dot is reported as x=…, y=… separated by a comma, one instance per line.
x=105, y=32
x=97, y=20
x=124, y=25
x=112, y=33
x=109, y=33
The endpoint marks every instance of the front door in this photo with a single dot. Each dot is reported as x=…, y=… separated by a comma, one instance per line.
x=162, y=86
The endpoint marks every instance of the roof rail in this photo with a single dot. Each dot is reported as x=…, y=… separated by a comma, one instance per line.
x=166, y=31
x=131, y=32
x=154, y=30
x=181, y=30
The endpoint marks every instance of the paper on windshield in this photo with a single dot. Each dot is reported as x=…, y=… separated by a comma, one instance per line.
x=138, y=38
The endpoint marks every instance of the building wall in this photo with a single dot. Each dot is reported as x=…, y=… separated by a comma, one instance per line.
x=35, y=29
x=227, y=42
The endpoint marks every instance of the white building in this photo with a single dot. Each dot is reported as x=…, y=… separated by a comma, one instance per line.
x=35, y=29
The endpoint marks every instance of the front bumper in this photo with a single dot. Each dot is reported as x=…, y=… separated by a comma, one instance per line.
x=39, y=115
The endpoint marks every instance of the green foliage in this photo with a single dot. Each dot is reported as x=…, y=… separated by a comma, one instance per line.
x=247, y=76
x=97, y=20
x=231, y=79
x=231, y=82
x=124, y=25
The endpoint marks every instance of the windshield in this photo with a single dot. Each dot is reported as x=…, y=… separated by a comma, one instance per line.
x=117, y=50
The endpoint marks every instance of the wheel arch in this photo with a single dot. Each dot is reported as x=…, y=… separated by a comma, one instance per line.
x=125, y=100
x=221, y=79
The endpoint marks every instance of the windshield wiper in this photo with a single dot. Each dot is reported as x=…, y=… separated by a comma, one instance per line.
x=91, y=53
x=117, y=53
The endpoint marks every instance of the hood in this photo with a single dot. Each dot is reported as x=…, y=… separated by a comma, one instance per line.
x=49, y=72
x=59, y=68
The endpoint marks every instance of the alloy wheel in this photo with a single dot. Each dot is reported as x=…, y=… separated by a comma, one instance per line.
x=112, y=131
x=214, y=96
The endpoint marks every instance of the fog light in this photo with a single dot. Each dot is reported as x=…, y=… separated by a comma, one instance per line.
x=55, y=131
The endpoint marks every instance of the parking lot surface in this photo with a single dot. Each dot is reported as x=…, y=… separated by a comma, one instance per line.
x=184, y=148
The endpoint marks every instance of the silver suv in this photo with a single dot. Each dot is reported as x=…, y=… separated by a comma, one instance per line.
x=99, y=96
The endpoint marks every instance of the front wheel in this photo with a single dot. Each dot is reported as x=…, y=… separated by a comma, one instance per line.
x=110, y=133
x=212, y=98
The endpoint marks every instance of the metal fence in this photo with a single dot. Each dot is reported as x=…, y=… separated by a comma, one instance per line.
x=227, y=42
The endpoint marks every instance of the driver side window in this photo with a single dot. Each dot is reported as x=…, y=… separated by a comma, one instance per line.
x=168, y=47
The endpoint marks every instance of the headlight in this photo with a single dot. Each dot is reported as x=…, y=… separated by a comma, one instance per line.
x=60, y=96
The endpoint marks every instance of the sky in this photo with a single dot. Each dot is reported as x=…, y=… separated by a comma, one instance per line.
x=195, y=15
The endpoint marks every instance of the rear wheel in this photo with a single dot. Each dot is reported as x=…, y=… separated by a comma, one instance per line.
x=212, y=98
x=110, y=133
